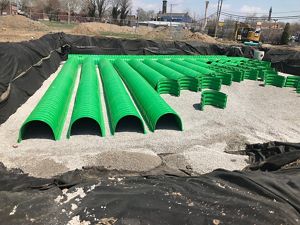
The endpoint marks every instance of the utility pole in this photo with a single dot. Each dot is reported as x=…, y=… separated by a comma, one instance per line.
x=205, y=15
x=275, y=25
x=220, y=4
x=171, y=10
x=171, y=13
x=270, y=14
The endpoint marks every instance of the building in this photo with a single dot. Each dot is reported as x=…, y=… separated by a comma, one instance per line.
x=10, y=9
x=172, y=17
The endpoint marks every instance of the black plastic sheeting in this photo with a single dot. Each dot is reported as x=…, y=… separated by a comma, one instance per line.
x=23, y=69
x=24, y=66
x=287, y=61
x=110, y=197
x=272, y=156
x=110, y=46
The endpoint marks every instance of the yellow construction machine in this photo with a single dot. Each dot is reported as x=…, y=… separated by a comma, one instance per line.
x=246, y=32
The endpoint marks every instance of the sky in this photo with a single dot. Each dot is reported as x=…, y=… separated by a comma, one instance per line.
x=239, y=7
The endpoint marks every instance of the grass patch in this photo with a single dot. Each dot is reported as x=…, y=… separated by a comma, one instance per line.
x=59, y=25
x=120, y=35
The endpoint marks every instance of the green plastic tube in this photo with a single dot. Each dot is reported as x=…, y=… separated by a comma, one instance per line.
x=87, y=106
x=213, y=98
x=159, y=82
x=153, y=108
x=52, y=109
x=185, y=82
x=119, y=105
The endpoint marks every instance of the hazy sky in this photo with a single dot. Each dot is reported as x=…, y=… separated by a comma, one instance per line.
x=240, y=7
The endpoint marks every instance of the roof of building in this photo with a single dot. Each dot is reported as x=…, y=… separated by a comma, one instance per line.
x=173, y=14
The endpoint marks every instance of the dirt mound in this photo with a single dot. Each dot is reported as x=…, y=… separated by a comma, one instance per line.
x=159, y=33
x=95, y=28
x=165, y=33
x=200, y=37
x=21, y=23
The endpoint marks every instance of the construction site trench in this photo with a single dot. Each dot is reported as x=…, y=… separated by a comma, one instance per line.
x=100, y=130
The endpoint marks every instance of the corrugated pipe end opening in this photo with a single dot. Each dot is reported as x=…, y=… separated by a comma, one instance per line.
x=130, y=124
x=86, y=126
x=36, y=130
x=169, y=121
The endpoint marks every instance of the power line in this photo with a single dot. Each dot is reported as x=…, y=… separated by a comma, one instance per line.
x=264, y=13
x=256, y=17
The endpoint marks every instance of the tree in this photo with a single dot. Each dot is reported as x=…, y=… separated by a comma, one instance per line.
x=3, y=5
x=52, y=8
x=286, y=34
x=145, y=15
x=115, y=12
x=71, y=6
x=124, y=9
x=101, y=6
x=91, y=8
x=24, y=5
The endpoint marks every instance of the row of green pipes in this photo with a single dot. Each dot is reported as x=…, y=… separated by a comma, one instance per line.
x=164, y=74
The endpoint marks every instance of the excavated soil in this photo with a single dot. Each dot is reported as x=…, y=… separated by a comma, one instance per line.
x=19, y=28
x=26, y=29
x=22, y=23
x=159, y=33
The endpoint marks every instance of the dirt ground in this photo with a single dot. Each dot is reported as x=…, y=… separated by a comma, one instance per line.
x=19, y=28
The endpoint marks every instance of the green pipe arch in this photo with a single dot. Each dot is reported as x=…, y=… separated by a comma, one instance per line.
x=185, y=82
x=151, y=105
x=118, y=102
x=214, y=98
x=87, y=104
x=159, y=82
x=53, y=106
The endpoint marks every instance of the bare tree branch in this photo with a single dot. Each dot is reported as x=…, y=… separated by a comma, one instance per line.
x=101, y=6
x=3, y=5
x=125, y=6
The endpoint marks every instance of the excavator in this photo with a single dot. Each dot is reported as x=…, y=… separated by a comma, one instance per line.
x=246, y=33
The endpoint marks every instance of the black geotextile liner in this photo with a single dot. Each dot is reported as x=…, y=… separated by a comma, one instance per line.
x=114, y=197
x=24, y=67
x=272, y=156
x=287, y=61
x=111, y=46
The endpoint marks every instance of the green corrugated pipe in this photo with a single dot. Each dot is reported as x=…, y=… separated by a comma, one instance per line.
x=185, y=82
x=214, y=98
x=275, y=80
x=118, y=102
x=292, y=81
x=87, y=104
x=209, y=82
x=53, y=107
x=226, y=77
x=205, y=67
x=153, y=108
x=159, y=82
x=183, y=70
x=207, y=79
